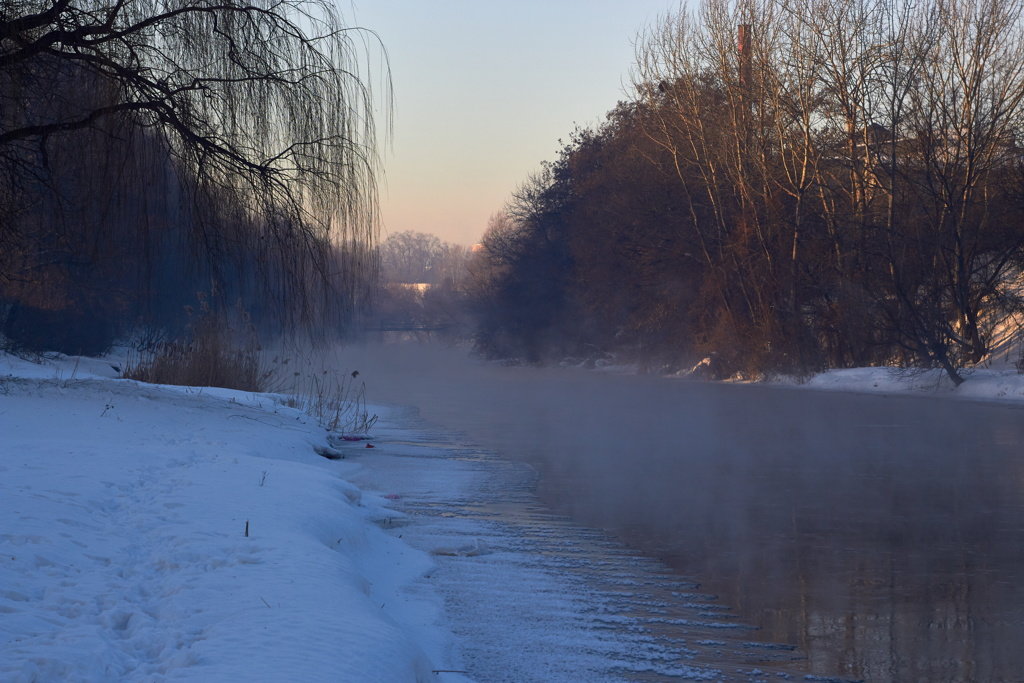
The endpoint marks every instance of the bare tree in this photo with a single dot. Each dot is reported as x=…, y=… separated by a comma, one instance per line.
x=412, y=257
x=964, y=117
x=886, y=132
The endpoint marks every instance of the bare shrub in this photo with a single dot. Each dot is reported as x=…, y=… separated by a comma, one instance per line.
x=210, y=357
x=337, y=401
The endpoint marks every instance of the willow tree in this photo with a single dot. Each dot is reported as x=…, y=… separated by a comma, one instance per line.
x=262, y=110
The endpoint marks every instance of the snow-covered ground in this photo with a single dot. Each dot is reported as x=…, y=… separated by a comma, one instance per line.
x=980, y=384
x=157, y=533
x=997, y=379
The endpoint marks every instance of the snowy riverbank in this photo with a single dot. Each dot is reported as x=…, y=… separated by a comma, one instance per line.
x=980, y=384
x=161, y=533
x=996, y=380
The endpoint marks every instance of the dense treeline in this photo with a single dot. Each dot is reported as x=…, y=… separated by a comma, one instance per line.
x=840, y=184
x=161, y=162
x=412, y=257
x=422, y=289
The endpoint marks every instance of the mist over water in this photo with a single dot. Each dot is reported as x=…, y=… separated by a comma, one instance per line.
x=883, y=535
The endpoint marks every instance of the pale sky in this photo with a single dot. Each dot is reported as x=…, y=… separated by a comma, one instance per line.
x=484, y=90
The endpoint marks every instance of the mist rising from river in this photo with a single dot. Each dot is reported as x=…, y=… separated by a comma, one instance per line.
x=882, y=534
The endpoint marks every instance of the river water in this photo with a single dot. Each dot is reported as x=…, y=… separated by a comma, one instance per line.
x=881, y=536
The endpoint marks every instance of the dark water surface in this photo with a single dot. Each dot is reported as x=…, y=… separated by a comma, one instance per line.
x=882, y=535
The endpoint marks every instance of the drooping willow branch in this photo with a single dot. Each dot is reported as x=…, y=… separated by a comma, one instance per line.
x=262, y=100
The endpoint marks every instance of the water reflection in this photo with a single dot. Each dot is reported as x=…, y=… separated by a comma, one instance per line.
x=884, y=536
